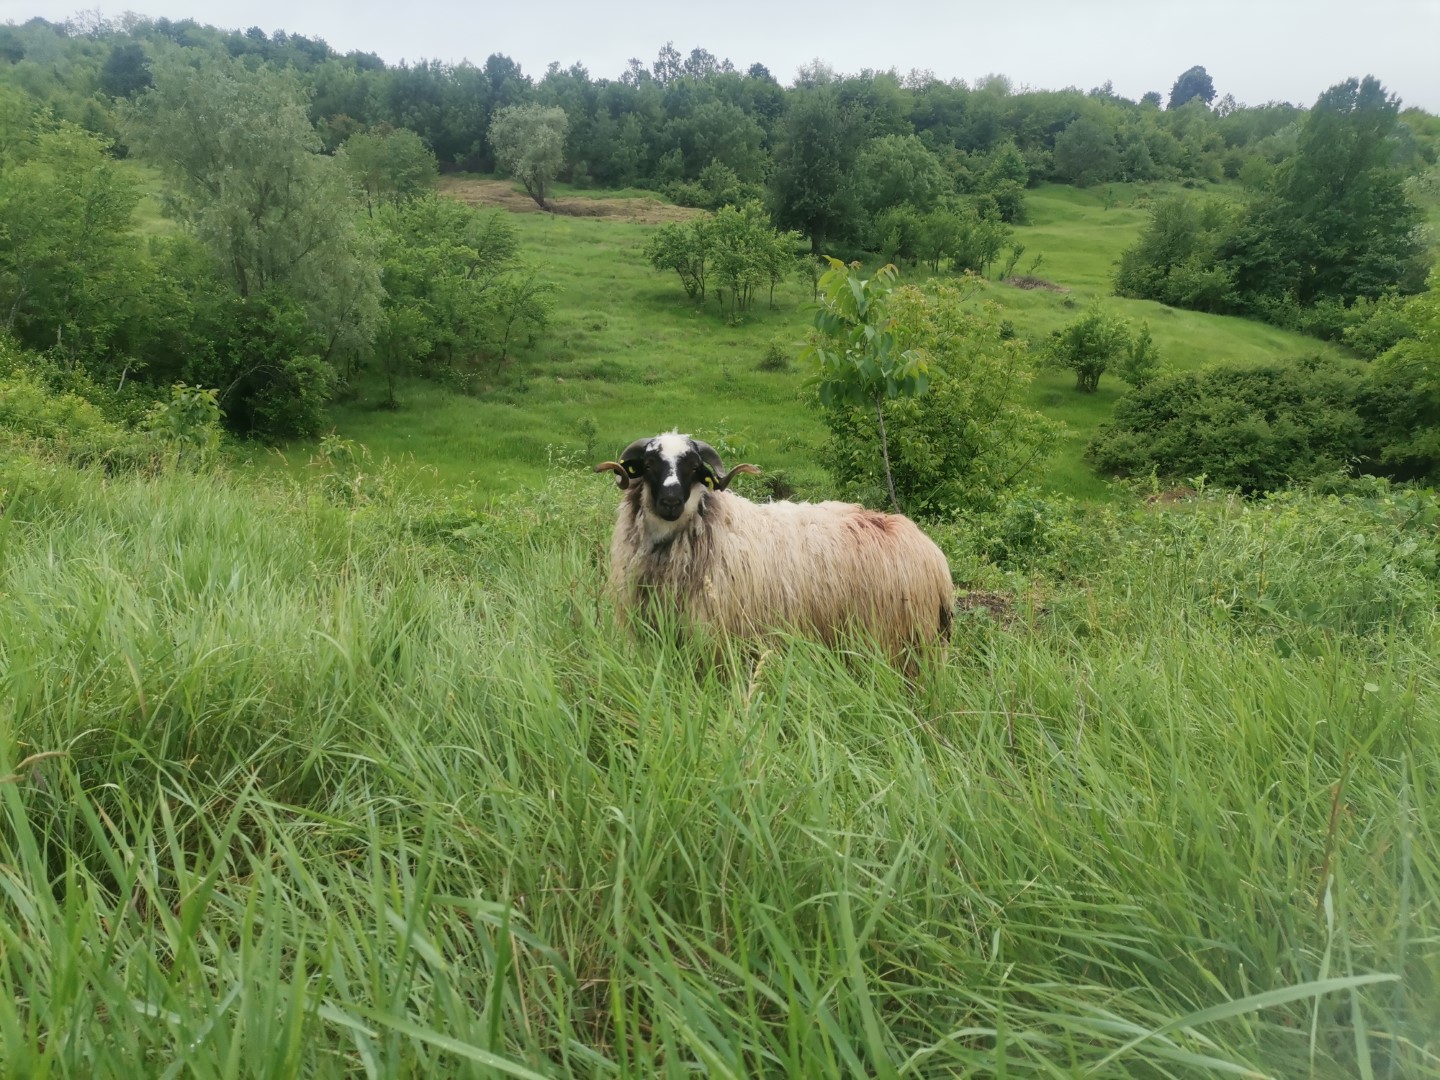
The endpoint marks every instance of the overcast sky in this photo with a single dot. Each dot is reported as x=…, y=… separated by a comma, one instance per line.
x=1258, y=50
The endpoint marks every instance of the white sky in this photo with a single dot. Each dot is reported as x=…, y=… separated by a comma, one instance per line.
x=1258, y=50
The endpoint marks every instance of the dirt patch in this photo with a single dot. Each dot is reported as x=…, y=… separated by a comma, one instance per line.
x=1001, y=607
x=1174, y=495
x=1025, y=281
x=503, y=195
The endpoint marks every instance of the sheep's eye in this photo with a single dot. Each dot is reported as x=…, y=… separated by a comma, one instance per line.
x=632, y=469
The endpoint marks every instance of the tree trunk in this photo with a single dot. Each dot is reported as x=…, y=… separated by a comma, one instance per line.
x=885, y=455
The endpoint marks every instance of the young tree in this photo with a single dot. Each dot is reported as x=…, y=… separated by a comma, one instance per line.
x=390, y=164
x=1140, y=364
x=1089, y=345
x=529, y=144
x=734, y=253
x=684, y=248
x=969, y=437
x=746, y=253
x=854, y=349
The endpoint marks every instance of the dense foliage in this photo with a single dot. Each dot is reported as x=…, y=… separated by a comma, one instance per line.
x=923, y=398
x=1260, y=427
x=1331, y=225
x=1255, y=428
x=1403, y=402
x=278, y=286
x=831, y=151
x=733, y=256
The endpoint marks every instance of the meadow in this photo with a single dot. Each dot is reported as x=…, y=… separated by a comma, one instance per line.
x=627, y=355
x=336, y=761
x=336, y=780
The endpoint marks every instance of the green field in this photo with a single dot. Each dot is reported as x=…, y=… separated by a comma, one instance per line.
x=629, y=355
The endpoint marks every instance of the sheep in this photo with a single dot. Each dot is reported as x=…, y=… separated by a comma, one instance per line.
x=682, y=543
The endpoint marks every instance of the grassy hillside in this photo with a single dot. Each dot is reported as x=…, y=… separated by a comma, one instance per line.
x=292, y=788
x=628, y=355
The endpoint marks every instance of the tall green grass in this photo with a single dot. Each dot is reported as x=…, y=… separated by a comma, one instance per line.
x=293, y=788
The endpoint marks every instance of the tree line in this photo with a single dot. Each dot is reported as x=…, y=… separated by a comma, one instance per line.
x=275, y=293
x=710, y=134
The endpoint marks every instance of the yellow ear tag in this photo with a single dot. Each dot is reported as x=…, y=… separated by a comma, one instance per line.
x=632, y=470
x=710, y=481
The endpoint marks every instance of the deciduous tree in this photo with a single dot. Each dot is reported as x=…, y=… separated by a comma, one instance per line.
x=812, y=188
x=529, y=144
x=390, y=164
x=1192, y=83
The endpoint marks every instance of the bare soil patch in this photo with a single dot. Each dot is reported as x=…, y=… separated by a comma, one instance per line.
x=1173, y=495
x=1004, y=608
x=1025, y=281
x=505, y=196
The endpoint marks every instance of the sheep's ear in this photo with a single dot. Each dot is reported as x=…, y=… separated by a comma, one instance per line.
x=724, y=480
x=622, y=481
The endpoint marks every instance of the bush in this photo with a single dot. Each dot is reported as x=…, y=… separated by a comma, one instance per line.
x=776, y=358
x=64, y=426
x=962, y=442
x=1376, y=325
x=1253, y=428
x=291, y=404
x=1402, y=399
x=1090, y=344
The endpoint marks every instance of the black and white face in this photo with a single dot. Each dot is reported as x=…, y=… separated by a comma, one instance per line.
x=674, y=472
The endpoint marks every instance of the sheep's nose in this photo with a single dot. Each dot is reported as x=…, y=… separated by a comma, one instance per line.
x=669, y=504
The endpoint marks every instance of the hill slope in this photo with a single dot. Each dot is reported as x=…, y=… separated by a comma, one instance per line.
x=628, y=355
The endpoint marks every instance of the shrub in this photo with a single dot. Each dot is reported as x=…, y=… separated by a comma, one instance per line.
x=1402, y=397
x=189, y=421
x=776, y=358
x=1376, y=325
x=1253, y=428
x=1091, y=344
x=963, y=441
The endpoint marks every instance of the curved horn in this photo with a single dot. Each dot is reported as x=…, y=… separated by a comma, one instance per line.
x=709, y=456
x=621, y=480
x=636, y=449
x=620, y=468
x=723, y=481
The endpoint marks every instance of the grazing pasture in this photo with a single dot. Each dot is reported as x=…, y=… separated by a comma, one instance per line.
x=627, y=352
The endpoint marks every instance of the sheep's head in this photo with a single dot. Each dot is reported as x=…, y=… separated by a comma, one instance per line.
x=676, y=471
